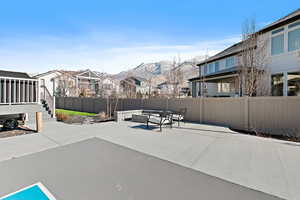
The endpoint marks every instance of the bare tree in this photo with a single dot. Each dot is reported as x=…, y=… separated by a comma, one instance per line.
x=254, y=73
x=128, y=86
x=149, y=81
x=175, y=77
x=66, y=85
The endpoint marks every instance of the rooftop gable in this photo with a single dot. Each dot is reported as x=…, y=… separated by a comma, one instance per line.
x=232, y=50
x=12, y=74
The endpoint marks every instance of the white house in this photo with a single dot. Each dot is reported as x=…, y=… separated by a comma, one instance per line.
x=52, y=81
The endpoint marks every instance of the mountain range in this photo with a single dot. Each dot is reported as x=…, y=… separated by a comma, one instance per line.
x=158, y=71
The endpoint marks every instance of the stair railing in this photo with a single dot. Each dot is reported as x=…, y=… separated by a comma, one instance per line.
x=48, y=98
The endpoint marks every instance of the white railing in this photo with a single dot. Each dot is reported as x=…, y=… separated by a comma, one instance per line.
x=18, y=91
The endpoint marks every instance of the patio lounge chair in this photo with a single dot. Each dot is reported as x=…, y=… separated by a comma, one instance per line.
x=164, y=118
x=180, y=115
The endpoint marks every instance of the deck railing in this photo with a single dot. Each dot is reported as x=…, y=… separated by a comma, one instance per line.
x=18, y=91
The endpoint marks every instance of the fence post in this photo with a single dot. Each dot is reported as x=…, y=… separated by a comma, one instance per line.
x=167, y=103
x=81, y=104
x=201, y=109
x=246, y=113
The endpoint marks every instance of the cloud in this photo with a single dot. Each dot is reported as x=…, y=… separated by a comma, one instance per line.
x=97, y=52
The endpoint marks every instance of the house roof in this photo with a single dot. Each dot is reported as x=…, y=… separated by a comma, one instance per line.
x=46, y=73
x=87, y=73
x=136, y=78
x=228, y=71
x=232, y=50
x=295, y=15
x=236, y=48
x=83, y=73
x=12, y=74
x=139, y=78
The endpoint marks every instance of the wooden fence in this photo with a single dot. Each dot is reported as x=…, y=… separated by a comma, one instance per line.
x=274, y=115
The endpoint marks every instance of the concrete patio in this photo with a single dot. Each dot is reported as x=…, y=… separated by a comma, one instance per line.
x=262, y=164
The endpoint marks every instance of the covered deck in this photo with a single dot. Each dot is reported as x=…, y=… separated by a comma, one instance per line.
x=223, y=83
x=18, y=88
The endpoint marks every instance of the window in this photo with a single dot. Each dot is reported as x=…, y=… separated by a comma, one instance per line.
x=294, y=24
x=205, y=69
x=277, y=46
x=217, y=66
x=211, y=67
x=277, y=31
x=294, y=40
x=277, y=85
x=294, y=84
x=230, y=62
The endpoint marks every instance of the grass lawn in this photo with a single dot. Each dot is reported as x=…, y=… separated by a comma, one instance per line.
x=72, y=112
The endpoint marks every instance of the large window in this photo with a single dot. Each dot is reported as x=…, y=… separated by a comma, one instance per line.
x=230, y=62
x=294, y=83
x=211, y=67
x=277, y=85
x=217, y=66
x=294, y=40
x=277, y=44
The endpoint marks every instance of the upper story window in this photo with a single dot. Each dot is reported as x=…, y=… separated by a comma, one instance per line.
x=217, y=66
x=294, y=24
x=230, y=62
x=294, y=40
x=205, y=69
x=277, y=31
x=211, y=67
x=277, y=44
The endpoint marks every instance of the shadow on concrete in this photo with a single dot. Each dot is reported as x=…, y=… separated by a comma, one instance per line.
x=143, y=126
x=202, y=129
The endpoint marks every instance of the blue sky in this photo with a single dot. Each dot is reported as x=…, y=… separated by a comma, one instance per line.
x=111, y=36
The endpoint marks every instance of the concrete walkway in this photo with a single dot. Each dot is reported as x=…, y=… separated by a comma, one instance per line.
x=262, y=164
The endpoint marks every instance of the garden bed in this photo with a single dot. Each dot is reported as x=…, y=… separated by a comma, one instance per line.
x=288, y=137
x=75, y=117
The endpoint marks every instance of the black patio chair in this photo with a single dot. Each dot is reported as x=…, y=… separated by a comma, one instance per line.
x=179, y=115
x=165, y=118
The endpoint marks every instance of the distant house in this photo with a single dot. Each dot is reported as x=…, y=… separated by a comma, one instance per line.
x=70, y=83
x=131, y=86
x=109, y=86
x=219, y=74
x=167, y=89
x=164, y=88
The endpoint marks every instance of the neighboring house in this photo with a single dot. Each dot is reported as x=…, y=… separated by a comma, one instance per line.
x=131, y=86
x=166, y=88
x=109, y=87
x=219, y=74
x=19, y=94
x=70, y=83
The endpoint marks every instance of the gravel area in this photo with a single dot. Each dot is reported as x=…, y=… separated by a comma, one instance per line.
x=19, y=131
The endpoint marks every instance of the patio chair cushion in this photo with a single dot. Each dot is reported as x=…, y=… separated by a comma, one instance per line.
x=157, y=120
x=177, y=117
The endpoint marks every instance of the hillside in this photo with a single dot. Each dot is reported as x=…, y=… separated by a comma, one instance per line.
x=158, y=71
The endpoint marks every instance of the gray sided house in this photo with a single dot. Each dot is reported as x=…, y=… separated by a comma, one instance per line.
x=133, y=85
x=219, y=74
x=20, y=94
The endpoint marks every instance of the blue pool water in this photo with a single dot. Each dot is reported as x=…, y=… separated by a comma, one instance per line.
x=32, y=193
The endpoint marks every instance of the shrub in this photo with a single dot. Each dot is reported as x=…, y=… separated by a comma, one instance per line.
x=102, y=115
x=62, y=117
